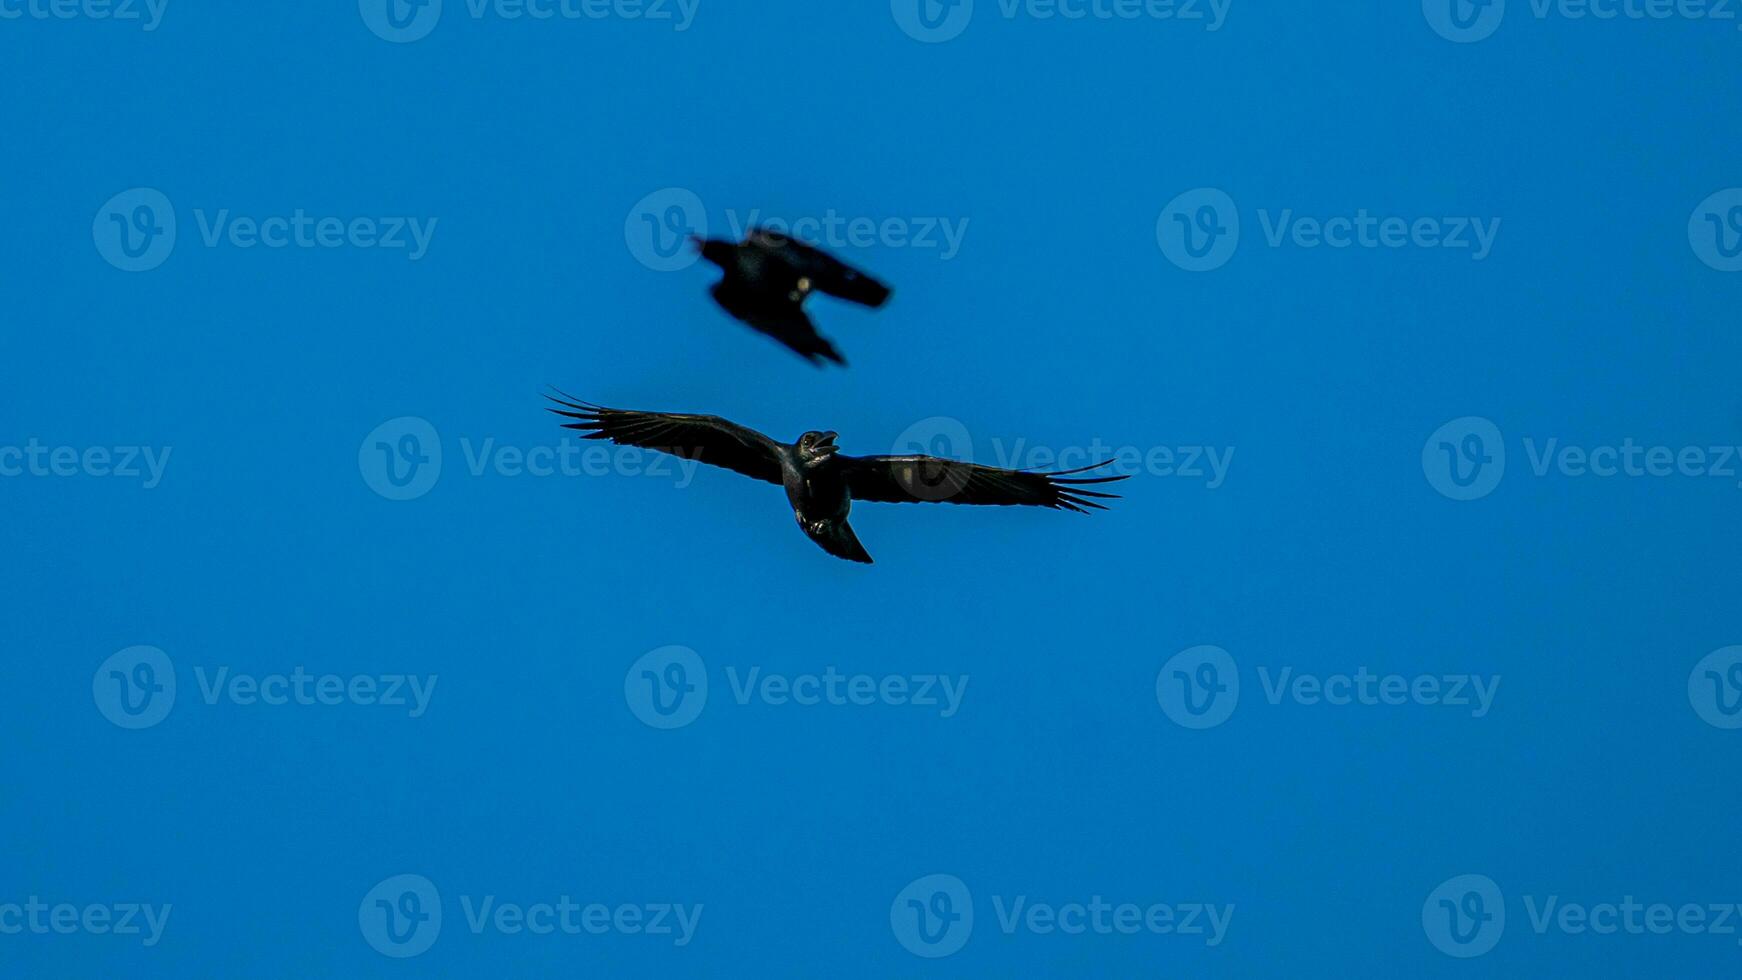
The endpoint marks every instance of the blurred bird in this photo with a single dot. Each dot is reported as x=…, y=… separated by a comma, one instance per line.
x=821, y=482
x=768, y=278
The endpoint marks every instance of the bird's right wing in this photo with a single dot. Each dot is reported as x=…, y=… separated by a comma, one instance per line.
x=826, y=273
x=931, y=480
x=703, y=438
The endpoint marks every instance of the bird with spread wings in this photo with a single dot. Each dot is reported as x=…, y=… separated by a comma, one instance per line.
x=770, y=276
x=821, y=482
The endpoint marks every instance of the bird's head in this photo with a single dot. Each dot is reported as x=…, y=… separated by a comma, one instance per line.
x=817, y=445
x=715, y=250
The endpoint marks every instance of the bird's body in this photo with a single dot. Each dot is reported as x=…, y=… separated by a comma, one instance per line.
x=768, y=278
x=821, y=499
x=821, y=482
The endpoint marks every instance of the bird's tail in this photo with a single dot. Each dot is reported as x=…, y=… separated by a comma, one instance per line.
x=838, y=539
x=821, y=350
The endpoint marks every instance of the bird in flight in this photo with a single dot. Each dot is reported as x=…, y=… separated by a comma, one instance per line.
x=768, y=278
x=821, y=482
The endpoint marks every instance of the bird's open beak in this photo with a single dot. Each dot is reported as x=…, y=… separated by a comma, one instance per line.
x=827, y=442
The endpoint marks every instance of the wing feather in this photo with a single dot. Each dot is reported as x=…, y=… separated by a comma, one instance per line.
x=703, y=438
x=930, y=479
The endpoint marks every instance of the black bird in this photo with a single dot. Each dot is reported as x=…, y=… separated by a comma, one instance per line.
x=822, y=483
x=768, y=278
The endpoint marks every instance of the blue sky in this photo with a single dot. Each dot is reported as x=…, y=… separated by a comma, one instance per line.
x=1410, y=650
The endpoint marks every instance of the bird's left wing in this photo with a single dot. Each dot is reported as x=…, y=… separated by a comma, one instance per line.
x=703, y=438
x=929, y=479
